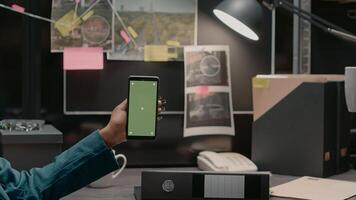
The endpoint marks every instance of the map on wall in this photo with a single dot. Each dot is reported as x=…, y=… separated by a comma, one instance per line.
x=153, y=29
x=85, y=23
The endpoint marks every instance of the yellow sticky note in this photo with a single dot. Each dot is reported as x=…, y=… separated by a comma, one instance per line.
x=260, y=83
x=173, y=43
x=132, y=32
x=66, y=24
x=156, y=53
x=172, y=53
x=89, y=14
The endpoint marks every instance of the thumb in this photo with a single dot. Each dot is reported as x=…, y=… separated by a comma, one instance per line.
x=123, y=105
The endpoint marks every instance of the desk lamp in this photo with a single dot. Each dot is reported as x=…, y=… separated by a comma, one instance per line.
x=245, y=17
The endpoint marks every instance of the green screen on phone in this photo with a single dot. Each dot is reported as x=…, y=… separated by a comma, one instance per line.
x=142, y=108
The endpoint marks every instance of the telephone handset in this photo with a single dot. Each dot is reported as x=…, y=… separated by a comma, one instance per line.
x=211, y=161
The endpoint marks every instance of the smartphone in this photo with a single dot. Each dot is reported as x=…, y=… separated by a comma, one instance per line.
x=142, y=107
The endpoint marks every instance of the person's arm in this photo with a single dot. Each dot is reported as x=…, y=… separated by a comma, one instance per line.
x=75, y=168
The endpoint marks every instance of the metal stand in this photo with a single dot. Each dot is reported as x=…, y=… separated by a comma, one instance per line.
x=302, y=40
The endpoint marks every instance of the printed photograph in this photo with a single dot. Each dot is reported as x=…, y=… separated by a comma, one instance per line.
x=169, y=23
x=87, y=24
x=212, y=109
x=206, y=68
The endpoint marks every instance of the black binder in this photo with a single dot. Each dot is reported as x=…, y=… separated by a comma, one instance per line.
x=343, y=134
x=164, y=185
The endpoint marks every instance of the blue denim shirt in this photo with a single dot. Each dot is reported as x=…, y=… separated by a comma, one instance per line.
x=75, y=168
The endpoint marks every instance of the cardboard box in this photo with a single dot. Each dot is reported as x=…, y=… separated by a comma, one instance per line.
x=298, y=126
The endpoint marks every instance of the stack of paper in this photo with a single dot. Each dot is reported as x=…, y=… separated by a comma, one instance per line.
x=315, y=189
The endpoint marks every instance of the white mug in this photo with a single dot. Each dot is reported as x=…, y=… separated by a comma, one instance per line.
x=108, y=180
x=350, y=88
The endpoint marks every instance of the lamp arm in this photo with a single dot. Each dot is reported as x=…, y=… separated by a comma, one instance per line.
x=343, y=35
x=310, y=17
x=305, y=17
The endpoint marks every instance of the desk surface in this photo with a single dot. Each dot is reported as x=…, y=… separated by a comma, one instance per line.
x=124, y=184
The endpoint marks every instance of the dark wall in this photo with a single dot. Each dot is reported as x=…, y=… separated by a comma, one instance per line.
x=331, y=54
x=10, y=61
x=247, y=59
x=284, y=42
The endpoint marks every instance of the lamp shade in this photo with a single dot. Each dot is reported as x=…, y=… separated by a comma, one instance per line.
x=243, y=16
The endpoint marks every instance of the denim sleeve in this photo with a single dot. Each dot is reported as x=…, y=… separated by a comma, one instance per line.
x=75, y=168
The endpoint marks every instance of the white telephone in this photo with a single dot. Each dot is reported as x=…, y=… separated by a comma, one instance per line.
x=229, y=162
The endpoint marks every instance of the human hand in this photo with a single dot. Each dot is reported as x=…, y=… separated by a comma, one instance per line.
x=115, y=131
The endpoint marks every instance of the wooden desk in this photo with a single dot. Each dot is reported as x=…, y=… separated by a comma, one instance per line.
x=123, y=188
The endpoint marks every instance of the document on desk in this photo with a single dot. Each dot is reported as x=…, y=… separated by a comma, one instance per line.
x=315, y=189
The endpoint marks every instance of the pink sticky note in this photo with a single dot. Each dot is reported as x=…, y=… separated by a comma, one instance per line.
x=202, y=90
x=125, y=37
x=18, y=8
x=83, y=59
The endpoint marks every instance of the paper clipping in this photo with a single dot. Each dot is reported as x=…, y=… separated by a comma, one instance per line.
x=208, y=101
x=165, y=26
x=84, y=24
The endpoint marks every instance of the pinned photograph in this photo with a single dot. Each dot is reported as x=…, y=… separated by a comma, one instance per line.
x=85, y=23
x=153, y=30
x=208, y=101
x=206, y=67
x=211, y=109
